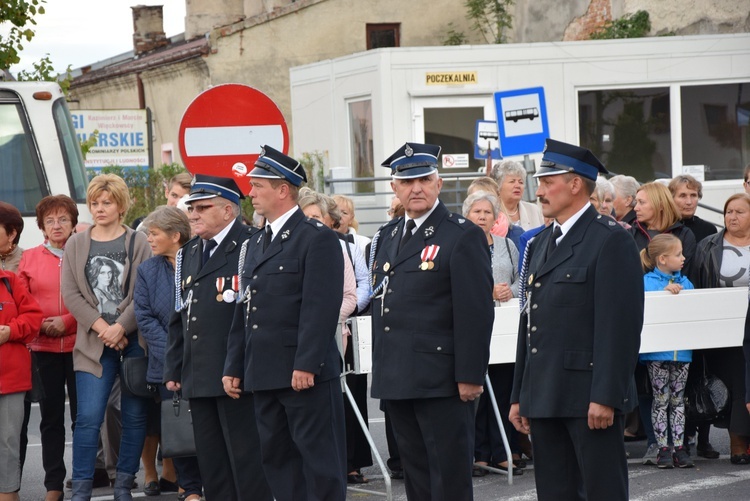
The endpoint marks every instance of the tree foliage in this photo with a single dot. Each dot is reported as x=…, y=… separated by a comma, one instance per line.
x=636, y=25
x=20, y=15
x=491, y=18
x=146, y=186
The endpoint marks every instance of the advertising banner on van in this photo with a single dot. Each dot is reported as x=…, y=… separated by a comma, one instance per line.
x=122, y=137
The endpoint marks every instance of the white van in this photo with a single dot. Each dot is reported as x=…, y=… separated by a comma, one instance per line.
x=39, y=152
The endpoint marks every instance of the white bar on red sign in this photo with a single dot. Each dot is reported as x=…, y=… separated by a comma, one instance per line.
x=240, y=140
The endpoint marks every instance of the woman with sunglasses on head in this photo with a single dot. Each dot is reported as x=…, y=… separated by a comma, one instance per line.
x=99, y=268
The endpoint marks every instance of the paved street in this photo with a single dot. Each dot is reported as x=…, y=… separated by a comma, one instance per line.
x=709, y=480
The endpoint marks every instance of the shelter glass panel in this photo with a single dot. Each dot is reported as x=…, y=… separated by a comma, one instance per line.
x=628, y=130
x=715, y=128
x=361, y=149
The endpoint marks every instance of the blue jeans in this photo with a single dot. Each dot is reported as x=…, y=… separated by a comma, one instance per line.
x=93, y=393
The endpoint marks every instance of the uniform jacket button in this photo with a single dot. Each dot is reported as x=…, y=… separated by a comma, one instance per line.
x=537, y=285
x=255, y=326
x=195, y=336
x=193, y=319
x=533, y=329
x=255, y=277
x=255, y=308
x=533, y=350
x=387, y=310
x=281, y=268
x=534, y=306
x=387, y=329
x=439, y=348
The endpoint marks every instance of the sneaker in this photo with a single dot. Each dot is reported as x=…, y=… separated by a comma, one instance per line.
x=681, y=458
x=664, y=458
x=649, y=458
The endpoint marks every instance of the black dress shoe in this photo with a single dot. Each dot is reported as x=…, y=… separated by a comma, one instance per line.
x=167, y=486
x=397, y=474
x=356, y=478
x=476, y=472
x=152, y=489
x=707, y=451
x=516, y=471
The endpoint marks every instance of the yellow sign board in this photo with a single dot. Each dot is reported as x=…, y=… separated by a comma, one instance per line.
x=451, y=78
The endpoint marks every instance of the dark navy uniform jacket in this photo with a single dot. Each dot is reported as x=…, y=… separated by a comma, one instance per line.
x=197, y=337
x=578, y=340
x=296, y=289
x=431, y=324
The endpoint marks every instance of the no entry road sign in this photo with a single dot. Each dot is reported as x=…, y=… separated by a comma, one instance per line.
x=223, y=129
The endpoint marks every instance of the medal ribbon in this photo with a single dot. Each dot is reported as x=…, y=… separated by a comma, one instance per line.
x=430, y=252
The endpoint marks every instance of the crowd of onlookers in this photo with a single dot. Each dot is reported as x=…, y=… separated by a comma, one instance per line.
x=117, y=282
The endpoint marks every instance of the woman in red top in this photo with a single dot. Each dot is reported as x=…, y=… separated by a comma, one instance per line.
x=20, y=318
x=41, y=270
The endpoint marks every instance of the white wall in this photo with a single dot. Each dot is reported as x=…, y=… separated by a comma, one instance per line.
x=395, y=78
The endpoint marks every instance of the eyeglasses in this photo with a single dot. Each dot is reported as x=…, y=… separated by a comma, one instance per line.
x=200, y=209
x=52, y=222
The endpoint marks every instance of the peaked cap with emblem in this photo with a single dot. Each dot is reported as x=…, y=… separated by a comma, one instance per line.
x=560, y=158
x=205, y=187
x=413, y=160
x=273, y=164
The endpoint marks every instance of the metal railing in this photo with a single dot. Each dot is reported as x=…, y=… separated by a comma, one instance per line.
x=371, y=217
x=453, y=193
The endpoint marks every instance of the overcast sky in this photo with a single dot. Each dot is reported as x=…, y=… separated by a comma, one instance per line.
x=82, y=32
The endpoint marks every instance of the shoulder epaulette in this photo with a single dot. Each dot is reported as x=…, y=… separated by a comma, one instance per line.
x=458, y=220
x=607, y=221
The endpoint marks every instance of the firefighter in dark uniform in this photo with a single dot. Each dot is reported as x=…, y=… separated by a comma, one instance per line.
x=282, y=346
x=226, y=439
x=579, y=336
x=432, y=316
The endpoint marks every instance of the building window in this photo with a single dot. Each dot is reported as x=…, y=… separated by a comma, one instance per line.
x=715, y=130
x=628, y=130
x=360, y=136
x=383, y=35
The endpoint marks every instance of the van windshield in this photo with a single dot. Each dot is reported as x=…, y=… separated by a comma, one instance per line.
x=72, y=156
x=23, y=182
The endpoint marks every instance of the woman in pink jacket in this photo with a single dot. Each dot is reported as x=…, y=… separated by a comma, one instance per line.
x=41, y=270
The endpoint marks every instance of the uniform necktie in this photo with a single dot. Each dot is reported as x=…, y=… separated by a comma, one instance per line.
x=267, y=238
x=207, y=248
x=410, y=225
x=556, y=233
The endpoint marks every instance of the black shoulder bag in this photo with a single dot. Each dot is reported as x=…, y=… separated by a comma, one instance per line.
x=133, y=369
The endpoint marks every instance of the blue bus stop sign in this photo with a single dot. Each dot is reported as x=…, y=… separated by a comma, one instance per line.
x=522, y=121
x=486, y=141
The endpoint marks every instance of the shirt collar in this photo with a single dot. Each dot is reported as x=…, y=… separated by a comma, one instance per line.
x=421, y=219
x=219, y=237
x=280, y=221
x=567, y=225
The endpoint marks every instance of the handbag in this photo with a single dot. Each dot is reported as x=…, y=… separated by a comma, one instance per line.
x=706, y=397
x=133, y=369
x=133, y=376
x=177, y=439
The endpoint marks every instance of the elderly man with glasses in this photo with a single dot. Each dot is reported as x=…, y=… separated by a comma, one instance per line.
x=226, y=439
